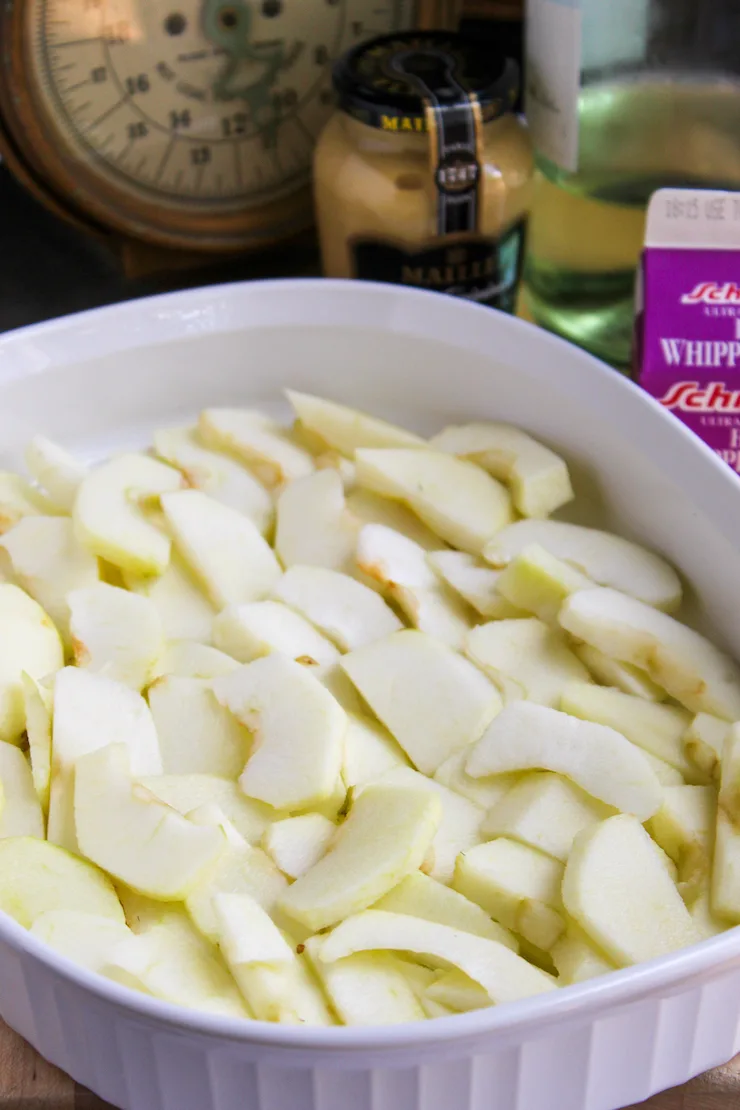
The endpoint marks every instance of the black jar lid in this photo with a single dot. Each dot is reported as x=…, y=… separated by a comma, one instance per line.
x=390, y=81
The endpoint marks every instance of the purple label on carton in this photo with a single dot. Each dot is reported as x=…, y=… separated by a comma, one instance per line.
x=689, y=329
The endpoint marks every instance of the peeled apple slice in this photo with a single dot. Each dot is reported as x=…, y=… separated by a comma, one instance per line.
x=299, y=731
x=622, y=676
x=108, y=517
x=725, y=888
x=347, y=429
x=475, y=583
x=38, y=702
x=29, y=643
x=688, y=666
x=401, y=569
x=456, y=499
x=369, y=751
x=216, y=475
x=385, y=838
x=458, y=992
x=485, y=792
x=348, y=613
x=313, y=526
x=704, y=742
x=620, y=893
x=186, y=793
x=187, y=659
x=49, y=562
x=88, y=939
x=20, y=813
x=684, y=828
x=577, y=959
x=658, y=729
x=58, y=472
x=117, y=633
x=538, y=478
x=502, y=973
x=258, y=441
x=19, y=499
x=247, y=632
x=536, y=582
x=222, y=547
x=184, y=610
x=366, y=507
x=420, y=896
x=297, y=843
x=196, y=734
x=36, y=876
x=606, y=559
x=598, y=759
x=525, y=659
x=370, y=988
x=132, y=835
x=431, y=699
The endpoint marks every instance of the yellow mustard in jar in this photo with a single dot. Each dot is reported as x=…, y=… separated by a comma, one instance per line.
x=424, y=175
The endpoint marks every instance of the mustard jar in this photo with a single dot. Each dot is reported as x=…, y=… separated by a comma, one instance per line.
x=423, y=176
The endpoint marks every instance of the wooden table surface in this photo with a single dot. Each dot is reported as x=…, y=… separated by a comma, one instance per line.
x=28, y=1083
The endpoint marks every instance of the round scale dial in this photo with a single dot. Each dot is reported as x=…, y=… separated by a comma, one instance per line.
x=165, y=112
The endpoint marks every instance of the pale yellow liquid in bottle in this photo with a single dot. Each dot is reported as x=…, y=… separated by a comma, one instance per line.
x=587, y=229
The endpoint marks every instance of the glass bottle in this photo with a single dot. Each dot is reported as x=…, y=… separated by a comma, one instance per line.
x=623, y=97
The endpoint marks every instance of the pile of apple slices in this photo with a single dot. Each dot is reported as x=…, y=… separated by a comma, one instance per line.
x=330, y=724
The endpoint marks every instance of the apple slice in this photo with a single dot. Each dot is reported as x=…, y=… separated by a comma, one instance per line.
x=85, y=938
x=347, y=429
x=538, y=478
x=458, y=829
x=516, y=885
x=475, y=583
x=30, y=643
x=400, y=567
x=184, y=610
x=108, y=517
x=620, y=893
x=622, y=676
x=313, y=526
x=276, y=982
x=537, y=582
x=704, y=742
x=366, y=507
x=36, y=876
x=502, y=973
x=263, y=444
x=725, y=892
x=431, y=699
x=704, y=920
x=223, y=548
x=117, y=633
x=458, y=993
x=684, y=828
x=19, y=499
x=247, y=632
x=386, y=836
x=658, y=729
x=196, y=734
x=576, y=958
x=241, y=869
x=456, y=499
x=369, y=751
x=420, y=896
x=216, y=475
x=367, y=989
x=48, y=562
x=297, y=843
x=692, y=670
x=665, y=774
x=172, y=962
x=187, y=659
x=38, y=702
x=350, y=614
x=606, y=559
x=127, y=831
x=485, y=792
x=278, y=700
x=58, y=472
x=20, y=813
x=544, y=811
x=186, y=793
x=525, y=659
x=598, y=759
x=332, y=460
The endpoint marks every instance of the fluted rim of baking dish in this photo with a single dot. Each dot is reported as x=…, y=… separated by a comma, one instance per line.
x=224, y=308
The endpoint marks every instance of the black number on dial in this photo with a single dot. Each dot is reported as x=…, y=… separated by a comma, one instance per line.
x=138, y=84
x=180, y=120
x=234, y=125
x=137, y=131
x=200, y=155
x=98, y=75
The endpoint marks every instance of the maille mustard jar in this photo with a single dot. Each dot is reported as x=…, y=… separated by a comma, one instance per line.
x=423, y=175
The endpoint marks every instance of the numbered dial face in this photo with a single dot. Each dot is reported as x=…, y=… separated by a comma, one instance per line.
x=201, y=105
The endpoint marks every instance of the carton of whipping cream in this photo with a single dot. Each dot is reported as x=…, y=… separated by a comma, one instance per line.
x=687, y=350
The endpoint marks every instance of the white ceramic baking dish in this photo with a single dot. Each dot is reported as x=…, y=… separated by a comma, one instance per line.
x=104, y=380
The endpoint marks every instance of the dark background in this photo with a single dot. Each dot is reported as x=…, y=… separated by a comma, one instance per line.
x=48, y=268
